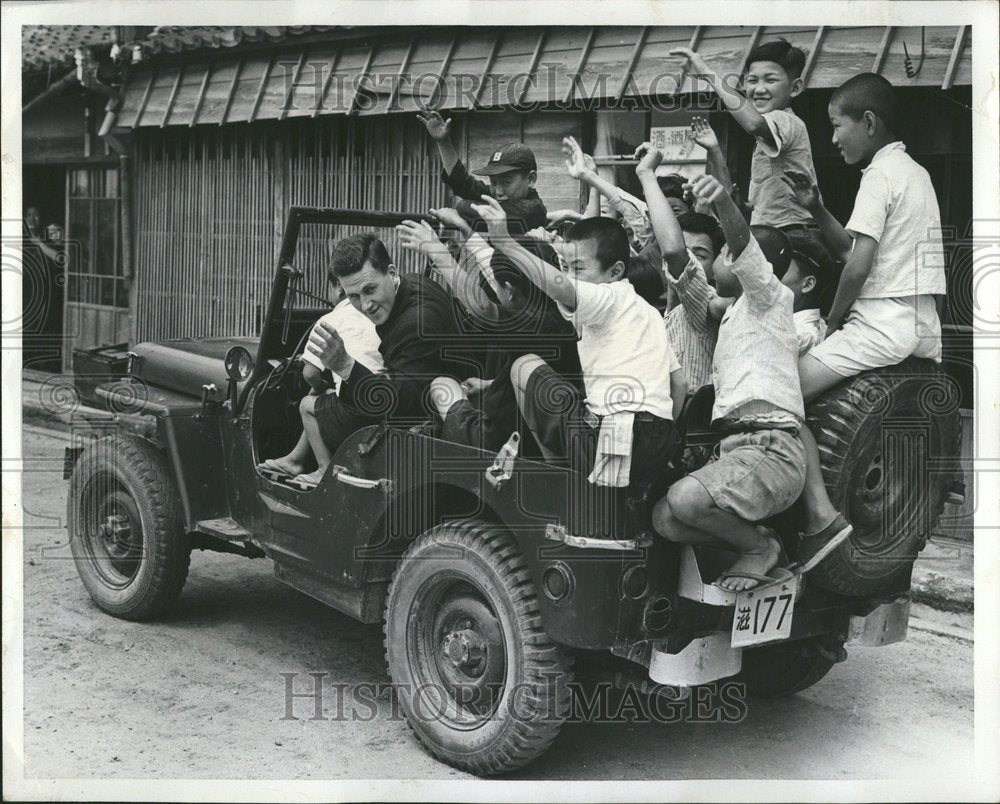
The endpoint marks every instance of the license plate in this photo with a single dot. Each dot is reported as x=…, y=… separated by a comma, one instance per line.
x=764, y=613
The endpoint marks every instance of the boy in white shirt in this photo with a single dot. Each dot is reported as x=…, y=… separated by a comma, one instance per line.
x=362, y=342
x=761, y=468
x=885, y=309
x=623, y=427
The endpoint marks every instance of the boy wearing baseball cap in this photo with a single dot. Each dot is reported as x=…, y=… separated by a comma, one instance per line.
x=512, y=172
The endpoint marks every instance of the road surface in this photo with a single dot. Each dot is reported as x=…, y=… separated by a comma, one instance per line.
x=201, y=694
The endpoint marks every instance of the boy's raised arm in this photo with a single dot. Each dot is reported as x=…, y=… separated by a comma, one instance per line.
x=440, y=131
x=552, y=282
x=837, y=238
x=750, y=119
x=420, y=237
x=665, y=227
x=703, y=134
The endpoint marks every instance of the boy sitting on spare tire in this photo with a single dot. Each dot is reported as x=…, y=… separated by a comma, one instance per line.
x=885, y=308
x=760, y=469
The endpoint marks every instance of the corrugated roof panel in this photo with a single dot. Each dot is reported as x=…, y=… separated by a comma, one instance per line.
x=262, y=87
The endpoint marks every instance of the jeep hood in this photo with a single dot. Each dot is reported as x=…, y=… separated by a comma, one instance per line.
x=186, y=364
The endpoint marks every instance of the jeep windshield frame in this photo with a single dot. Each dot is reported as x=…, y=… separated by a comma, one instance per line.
x=297, y=217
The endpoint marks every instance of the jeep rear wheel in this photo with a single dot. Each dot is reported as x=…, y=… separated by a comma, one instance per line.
x=785, y=668
x=480, y=683
x=125, y=530
x=877, y=437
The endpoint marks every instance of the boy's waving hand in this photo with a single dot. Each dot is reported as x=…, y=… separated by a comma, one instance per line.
x=436, y=126
x=495, y=217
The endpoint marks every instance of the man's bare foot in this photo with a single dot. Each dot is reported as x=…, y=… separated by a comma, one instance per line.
x=285, y=465
x=751, y=568
x=311, y=479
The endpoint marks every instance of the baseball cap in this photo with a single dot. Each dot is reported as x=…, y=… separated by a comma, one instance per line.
x=512, y=156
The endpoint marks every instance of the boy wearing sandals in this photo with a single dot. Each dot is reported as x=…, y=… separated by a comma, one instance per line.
x=760, y=470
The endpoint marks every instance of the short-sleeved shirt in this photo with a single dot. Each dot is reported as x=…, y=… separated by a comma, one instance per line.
x=623, y=349
x=756, y=366
x=358, y=333
x=774, y=203
x=897, y=207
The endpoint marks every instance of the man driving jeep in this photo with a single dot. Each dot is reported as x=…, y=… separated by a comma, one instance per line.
x=412, y=314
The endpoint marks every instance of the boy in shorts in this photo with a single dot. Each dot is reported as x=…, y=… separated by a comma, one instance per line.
x=622, y=427
x=512, y=172
x=885, y=308
x=758, y=404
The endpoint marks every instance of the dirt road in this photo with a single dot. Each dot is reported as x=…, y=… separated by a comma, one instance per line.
x=201, y=693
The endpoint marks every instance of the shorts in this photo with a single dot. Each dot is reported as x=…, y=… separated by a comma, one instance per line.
x=338, y=420
x=882, y=332
x=557, y=414
x=757, y=474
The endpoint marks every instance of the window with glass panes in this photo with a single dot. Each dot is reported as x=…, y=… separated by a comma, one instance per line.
x=94, y=274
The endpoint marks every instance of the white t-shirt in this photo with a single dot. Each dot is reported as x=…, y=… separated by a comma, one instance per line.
x=896, y=206
x=358, y=333
x=623, y=350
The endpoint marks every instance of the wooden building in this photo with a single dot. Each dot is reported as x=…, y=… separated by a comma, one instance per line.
x=215, y=131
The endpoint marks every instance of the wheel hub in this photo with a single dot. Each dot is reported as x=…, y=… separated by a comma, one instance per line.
x=465, y=649
x=117, y=531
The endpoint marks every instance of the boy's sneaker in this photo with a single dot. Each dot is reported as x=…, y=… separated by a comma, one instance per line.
x=814, y=547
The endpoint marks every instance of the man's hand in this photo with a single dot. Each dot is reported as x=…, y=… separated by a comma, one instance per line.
x=325, y=342
x=578, y=164
x=707, y=189
x=437, y=126
x=541, y=234
x=419, y=237
x=703, y=134
x=649, y=159
x=450, y=216
x=695, y=64
x=805, y=190
x=495, y=217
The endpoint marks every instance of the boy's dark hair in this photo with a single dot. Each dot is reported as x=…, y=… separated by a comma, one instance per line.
x=672, y=186
x=776, y=247
x=351, y=254
x=647, y=279
x=869, y=92
x=505, y=271
x=783, y=53
x=700, y=223
x=814, y=259
x=612, y=241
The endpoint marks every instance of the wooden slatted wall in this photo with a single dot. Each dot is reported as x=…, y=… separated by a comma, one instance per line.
x=210, y=205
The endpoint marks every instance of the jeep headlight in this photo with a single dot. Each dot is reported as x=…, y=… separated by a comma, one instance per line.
x=239, y=363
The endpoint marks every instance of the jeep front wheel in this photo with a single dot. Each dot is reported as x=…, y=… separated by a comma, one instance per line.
x=125, y=529
x=480, y=683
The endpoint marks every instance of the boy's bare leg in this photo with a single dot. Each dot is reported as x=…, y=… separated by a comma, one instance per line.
x=311, y=428
x=445, y=392
x=691, y=505
x=520, y=371
x=295, y=462
x=820, y=512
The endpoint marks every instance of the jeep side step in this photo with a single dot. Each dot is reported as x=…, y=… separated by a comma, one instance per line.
x=227, y=528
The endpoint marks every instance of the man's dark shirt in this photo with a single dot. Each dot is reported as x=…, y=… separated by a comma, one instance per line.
x=414, y=339
x=522, y=214
x=544, y=333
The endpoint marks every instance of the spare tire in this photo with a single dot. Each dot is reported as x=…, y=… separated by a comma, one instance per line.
x=888, y=441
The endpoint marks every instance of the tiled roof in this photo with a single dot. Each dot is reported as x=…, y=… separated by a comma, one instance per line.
x=44, y=46
x=178, y=38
